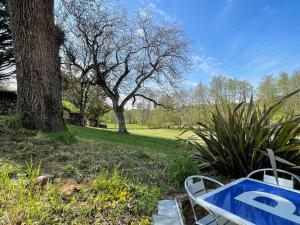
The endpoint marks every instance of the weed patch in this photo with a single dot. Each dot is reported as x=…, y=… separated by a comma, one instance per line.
x=65, y=136
x=180, y=166
x=109, y=198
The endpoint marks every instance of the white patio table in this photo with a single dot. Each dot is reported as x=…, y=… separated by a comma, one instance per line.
x=247, y=201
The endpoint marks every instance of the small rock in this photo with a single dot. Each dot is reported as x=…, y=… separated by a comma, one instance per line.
x=43, y=179
x=126, y=219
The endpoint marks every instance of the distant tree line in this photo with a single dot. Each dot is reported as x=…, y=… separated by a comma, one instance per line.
x=271, y=88
x=194, y=104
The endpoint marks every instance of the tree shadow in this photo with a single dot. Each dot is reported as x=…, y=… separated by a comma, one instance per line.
x=136, y=141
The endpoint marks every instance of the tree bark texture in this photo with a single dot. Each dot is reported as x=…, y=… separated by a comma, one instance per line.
x=36, y=45
x=119, y=111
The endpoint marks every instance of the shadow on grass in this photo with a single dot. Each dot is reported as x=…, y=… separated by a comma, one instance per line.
x=134, y=141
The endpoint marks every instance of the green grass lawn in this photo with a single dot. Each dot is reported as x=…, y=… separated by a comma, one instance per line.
x=129, y=126
x=154, y=140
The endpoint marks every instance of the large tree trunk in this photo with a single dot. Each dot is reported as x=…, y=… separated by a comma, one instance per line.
x=83, y=103
x=36, y=45
x=119, y=111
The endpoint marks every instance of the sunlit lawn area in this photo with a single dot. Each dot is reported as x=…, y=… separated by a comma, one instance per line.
x=154, y=140
x=129, y=126
x=144, y=130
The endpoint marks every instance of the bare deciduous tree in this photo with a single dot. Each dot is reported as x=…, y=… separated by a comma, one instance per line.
x=77, y=76
x=127, y=57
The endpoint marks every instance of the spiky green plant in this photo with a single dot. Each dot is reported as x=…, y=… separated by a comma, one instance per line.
x=235, y=137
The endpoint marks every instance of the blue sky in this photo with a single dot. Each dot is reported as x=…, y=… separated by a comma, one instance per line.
x=243, y=39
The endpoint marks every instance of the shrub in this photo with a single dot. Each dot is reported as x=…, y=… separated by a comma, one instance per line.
x=73, y=171
x=69, y=106
x=13, y=121
x=180, y=166
x=235, y=137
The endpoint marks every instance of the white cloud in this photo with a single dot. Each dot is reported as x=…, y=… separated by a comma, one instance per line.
x=191, y=83
x=203, y=63
x=152, y=7
x=143, y=13
x=269, y=10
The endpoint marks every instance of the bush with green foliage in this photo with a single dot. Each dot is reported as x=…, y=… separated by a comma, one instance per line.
x=69, y=106
x=180, y=166
x=13, y=121
x=73, y=171
x=235, y=137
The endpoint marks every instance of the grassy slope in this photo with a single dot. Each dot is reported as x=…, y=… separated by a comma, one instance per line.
x=153, y=140
x=141, y=154
x=73, y=198
x=140, y=138
x=90, y=159
x=131, y=155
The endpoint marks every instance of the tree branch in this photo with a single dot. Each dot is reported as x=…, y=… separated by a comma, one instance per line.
x=151, y=100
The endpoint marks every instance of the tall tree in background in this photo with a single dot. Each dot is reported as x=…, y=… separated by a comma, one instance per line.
x=217, y=91
x=129, y=58
x=294, y=83
x=201, y=99
x=223, y=89
x=283, y=84
x=272, y=88
x=284, y=88
x=36, y=46
x=78, y=80
x=90, y=100
x=201, y=94
x=77, y=76
x=6, y=50
x=268, y=90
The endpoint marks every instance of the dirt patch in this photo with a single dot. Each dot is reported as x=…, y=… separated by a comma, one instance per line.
x=70, y=187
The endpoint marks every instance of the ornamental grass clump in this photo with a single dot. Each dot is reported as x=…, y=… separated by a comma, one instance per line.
x=236, y=137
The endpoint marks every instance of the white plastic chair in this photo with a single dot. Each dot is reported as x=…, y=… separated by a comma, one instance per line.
x=289, y=183
x=194, y=186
